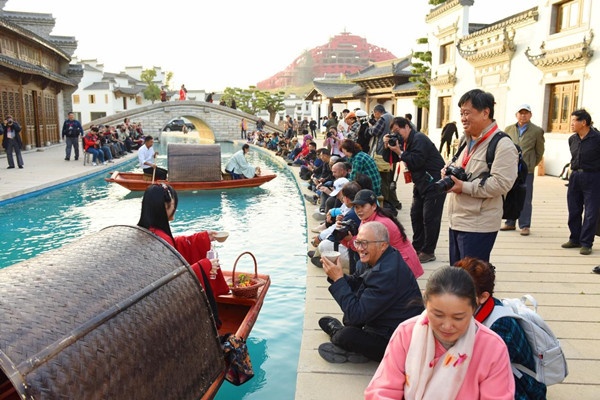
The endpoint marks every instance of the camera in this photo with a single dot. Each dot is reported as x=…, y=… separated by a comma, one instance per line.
x=446, y=183
x=393, y=139
x=372, y=119
x=329, y=133
x=347, y=226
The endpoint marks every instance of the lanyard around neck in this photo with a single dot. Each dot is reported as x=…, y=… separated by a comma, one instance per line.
x=472, y=150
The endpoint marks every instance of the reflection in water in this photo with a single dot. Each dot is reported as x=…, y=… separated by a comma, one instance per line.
x=268, y=221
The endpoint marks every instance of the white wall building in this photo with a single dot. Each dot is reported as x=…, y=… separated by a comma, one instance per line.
x=544, y=56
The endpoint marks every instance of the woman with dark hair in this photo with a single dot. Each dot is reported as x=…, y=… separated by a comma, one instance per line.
x=444, y=353
x=362, y=163
x=367, y=209
x=158, y=209
x=519, y=350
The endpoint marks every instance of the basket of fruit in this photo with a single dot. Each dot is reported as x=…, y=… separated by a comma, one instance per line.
x=244, y=285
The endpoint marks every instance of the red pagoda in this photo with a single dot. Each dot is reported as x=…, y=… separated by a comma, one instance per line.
x=344, y=54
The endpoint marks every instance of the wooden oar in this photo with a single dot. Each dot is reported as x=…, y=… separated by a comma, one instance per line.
x=154, y=169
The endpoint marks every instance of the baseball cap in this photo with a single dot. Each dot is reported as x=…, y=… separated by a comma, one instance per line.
x=524, y=107
x=338, y=184
x=364, y=196
x=361, y=113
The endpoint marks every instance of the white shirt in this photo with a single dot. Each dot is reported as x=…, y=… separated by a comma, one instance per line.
x=145, y=155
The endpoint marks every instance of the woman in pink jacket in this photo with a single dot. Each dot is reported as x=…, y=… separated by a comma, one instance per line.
x=444, y=354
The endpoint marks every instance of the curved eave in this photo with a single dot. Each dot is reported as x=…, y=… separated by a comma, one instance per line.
x=4, y=23
x=26, y=68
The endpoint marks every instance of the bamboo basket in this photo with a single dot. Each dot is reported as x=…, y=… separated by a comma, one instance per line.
x=245, y=291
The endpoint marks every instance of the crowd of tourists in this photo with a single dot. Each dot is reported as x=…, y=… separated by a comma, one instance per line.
x=447, y=342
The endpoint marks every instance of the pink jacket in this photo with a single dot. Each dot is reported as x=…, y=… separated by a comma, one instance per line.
x=489, y=375
x=405, y=247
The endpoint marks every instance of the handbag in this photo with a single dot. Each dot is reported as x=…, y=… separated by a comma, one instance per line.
x=382, y=165
x=238, y=367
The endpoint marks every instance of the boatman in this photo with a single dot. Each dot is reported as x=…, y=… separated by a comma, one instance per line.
x=239, y=168
x=147, y=157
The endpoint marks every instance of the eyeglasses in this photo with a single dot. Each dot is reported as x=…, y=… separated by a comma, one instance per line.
x=362, y=244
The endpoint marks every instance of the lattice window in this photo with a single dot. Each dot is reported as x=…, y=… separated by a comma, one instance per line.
x=563, y=101
x=569, y=15
x=443, y=115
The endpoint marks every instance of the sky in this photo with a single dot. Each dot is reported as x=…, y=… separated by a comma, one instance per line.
x=209, y=45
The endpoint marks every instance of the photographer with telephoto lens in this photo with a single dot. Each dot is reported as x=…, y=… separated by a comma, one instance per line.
x=423, y=164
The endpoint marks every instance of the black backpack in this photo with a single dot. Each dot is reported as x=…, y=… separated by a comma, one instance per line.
x=515, y=198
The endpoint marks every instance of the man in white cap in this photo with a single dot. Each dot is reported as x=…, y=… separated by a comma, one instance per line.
x=530, y=139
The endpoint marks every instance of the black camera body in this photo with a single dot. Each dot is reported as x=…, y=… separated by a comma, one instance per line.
x=329, y=134
x=372, y=119
x=347, y=226
x=447, y=183
x=393, y=139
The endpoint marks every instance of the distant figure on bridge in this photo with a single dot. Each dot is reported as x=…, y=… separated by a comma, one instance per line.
x=239, y=168
x=163, y=94
x=209, y=97
x=183, y=93
x=233, y=105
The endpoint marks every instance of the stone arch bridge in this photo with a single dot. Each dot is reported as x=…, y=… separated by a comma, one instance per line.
x=212, y=121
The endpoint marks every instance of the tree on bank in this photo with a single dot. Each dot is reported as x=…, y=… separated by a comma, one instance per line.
x=152, y=91
x=253, y=100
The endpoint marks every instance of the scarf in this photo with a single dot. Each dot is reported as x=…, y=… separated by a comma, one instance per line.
x=431, y=379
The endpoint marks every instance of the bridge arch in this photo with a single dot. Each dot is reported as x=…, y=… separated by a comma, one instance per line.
x=212, y=121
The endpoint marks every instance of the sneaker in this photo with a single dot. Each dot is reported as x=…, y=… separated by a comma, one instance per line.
x=111, y=161
x=316, y=261
x=330, y=325
x=570, y=245
x=319, y=228
x=67, y=159
x=320, y=216
x=586, y=251
x=596, y=269
x=76, y=158
x=104, y=163
x=336, y=355
x=508, y=227
x=311, y=199
x=424, y=257
x=525, y=231
x=94, y=164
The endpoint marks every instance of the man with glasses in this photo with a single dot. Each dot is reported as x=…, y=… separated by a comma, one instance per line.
x=380, y=294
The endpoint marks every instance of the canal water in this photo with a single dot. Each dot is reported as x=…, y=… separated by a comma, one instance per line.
x=268, y=221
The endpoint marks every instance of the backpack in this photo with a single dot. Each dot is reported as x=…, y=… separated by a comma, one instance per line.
x=515, y=198
x=550, y=362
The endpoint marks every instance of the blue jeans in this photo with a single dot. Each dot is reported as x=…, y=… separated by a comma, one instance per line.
x=525, y=216
x=96, y=154
x=471, y=244
x=583, y=194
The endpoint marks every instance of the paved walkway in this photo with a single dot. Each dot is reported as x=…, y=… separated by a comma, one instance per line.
x=561, y=280
x=47, y=167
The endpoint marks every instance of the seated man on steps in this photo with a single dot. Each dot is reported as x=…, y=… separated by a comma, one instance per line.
x=381, y=294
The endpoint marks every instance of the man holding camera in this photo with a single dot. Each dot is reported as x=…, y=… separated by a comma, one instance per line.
x=12, y=141
x=423, y=164
x=476, y=204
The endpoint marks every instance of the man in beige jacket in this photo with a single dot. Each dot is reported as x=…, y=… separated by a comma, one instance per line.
x=475, y=205
x=530, y=139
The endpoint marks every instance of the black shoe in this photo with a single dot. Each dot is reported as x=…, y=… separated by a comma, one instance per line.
x=336, y=355
x=311, y=253
x=311, y=199
x=9, y=167
x=76, y=158
x=20, y=166
x=316, y=262
x=399, y=206
x=330, y=325
x=68, y=159
x=596, y=269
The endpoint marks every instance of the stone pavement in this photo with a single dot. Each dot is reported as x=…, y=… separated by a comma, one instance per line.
x=562, y=281
x=47, y=167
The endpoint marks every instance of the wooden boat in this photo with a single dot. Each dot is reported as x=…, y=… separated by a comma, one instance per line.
x=139, y=182
x=133, y=323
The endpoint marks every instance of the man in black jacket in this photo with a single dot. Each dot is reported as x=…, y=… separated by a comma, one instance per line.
x=12, y=141
x=424, y=164
x=381, y=294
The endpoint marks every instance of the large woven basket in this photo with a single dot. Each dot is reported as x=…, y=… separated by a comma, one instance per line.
x=194, y=162
x=126, y=322
x=245, y=291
